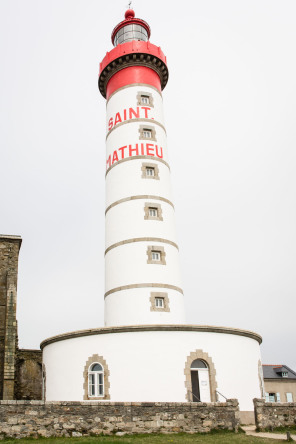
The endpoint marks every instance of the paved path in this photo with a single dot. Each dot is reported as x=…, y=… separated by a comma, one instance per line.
x=251, y=430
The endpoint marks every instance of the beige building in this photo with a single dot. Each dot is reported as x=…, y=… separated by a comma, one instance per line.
x=280, y=383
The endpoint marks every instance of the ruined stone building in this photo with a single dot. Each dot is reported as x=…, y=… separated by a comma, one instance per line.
x=20, y=370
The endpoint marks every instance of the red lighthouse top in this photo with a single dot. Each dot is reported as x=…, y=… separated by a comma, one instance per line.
x=131, y=28
x=134, y=60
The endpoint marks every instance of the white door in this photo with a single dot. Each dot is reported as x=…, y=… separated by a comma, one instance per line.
x=204, y=385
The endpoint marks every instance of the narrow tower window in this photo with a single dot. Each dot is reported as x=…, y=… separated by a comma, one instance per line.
x=159, y=301
x=156, y=255
x=145, y=99
x=150, y=171
x=152, y=211
x=147, y=132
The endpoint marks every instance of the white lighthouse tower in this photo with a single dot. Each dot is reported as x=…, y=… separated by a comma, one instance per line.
x=145, y=351
x=143, y=284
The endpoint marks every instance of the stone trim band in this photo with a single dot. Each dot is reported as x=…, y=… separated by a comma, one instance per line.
x=128, y=287
x=143, y=196
x=135, y=120
x=136, y=328
x=155, y=159
x=131, y=85
x=141, y=239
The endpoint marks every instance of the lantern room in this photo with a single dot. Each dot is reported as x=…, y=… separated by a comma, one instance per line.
x=130, y=29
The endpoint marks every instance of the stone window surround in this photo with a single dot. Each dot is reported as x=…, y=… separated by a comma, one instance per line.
x=100, y=360
x=159, y=294
x=145, y=93
x=142, y=128
x=153, y=248
x=146, y=165
x=200, y=354
x=149, y=205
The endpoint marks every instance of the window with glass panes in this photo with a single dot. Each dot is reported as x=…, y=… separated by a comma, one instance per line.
x=145, y=100
x=272, y=397
x=289, y=397
x=147, y=133
x=155, y=255
x=129, y=33
x=96, y=380
x=159, y=302
x=150, y=171
x=153, y=212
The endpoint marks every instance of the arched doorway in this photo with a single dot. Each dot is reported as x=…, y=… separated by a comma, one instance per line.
x=200, y=383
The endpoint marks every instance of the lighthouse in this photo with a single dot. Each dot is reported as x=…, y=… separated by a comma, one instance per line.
x=145, y=351
x=143, y=284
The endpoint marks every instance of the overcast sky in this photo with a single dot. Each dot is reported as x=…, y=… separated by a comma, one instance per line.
x=230, y=117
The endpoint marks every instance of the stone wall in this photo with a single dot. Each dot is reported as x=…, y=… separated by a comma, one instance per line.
x=269, y=415
x=20, y=419
x=9, y=252
x=28, y=374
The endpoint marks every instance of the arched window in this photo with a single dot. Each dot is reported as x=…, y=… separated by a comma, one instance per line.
x=96, y=384
x=198, y=363
x=95, y=380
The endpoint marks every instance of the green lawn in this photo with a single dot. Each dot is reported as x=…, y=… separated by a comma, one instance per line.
x=284, y=430
x=181, y=438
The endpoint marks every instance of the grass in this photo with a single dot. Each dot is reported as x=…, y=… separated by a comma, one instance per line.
x=284, y=430
x=180, y=438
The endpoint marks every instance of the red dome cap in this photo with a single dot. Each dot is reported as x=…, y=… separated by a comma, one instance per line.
x=130, y=19
x=129, y=14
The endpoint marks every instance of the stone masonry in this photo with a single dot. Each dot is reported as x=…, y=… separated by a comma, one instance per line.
x=269, y=415
x=9, y=252
x=20, y=419
x=28, y=377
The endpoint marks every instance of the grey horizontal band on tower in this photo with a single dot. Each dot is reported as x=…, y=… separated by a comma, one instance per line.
x=135, y=120
x=128, y=287
x=151, y=158
x=133, y=84
x=141, y=196
x=142, y=239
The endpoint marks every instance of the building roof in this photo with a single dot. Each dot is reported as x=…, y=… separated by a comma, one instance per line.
x=276, y=371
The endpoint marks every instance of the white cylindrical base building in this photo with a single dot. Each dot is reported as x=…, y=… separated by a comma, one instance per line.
x=156, y=364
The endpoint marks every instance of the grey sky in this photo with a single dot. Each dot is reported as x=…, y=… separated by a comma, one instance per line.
x=230, y=118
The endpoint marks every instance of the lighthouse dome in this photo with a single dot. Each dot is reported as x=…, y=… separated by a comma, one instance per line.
x=131, y=28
